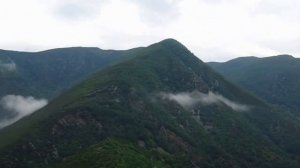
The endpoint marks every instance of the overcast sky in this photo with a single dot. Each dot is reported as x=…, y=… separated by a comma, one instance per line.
x=214, y=30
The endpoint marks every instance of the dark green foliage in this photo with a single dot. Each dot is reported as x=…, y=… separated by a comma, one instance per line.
x=113, y=154
x=46, y=74
x=122, y=102
x=275, y=79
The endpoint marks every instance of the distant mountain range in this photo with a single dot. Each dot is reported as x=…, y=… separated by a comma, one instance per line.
x=47, y=73
x=161, y=107
x=275, y=79
x=29, y=78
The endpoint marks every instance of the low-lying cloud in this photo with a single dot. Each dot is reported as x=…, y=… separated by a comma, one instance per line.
x=190, y=99
x=8, y=66
x=20, y=106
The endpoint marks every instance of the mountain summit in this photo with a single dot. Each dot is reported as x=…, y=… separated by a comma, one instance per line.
x=163, y=106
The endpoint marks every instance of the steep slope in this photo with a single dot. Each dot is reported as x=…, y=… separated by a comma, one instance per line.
x=164, y=100
x=113, y=153
x=46, y=74
x=275, y=79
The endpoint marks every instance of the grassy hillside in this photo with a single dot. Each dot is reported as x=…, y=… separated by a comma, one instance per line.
x=123, y=102
x=275, y=79
x=48, y=73
x=114, y=153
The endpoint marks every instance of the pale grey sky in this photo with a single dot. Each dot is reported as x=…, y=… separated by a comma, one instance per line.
x=214, y=30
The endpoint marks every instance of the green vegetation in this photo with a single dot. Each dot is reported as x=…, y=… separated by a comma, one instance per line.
x=113, y=154
x=120, y=111
x=275, y=79
x=48, y=73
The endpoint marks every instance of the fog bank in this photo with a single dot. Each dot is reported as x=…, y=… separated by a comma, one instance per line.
x=190, y=99
x=20, y=106
x=8, y=66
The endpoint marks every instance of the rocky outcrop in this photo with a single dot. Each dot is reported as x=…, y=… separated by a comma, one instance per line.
x=78, y=119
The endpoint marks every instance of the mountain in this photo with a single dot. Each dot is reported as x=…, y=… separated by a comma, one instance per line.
x=28, y=77
x=47, y=73
x=163, y=106
x=275, y=79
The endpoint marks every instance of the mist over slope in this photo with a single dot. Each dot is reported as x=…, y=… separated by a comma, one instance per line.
x=7, y=66
x=140, y=102
x=18, y=107
x=47, y=73
x=191, y=99
x=44, y=75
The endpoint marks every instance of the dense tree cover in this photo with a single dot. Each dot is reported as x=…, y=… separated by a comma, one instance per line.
x=275, y=79
x=114, y=153
x=48, y=73
x=119, y=112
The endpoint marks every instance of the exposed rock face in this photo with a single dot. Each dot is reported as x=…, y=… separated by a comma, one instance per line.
x=174, y=138
x=78, y=119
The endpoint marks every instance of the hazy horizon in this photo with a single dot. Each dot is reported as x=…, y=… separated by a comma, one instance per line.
x=209, y=60
x=214, y=30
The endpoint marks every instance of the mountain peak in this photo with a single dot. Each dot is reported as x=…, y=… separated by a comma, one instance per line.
x=164, y=100
x=175, y=49
x=170, y=42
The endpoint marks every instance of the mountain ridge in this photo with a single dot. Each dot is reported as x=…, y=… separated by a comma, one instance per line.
x=44, y=75
x=123, y=101
x=275, y=79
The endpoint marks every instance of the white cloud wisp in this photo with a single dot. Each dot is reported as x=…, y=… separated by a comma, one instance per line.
x=190, y=99
x=20, y=106
x=8, y=66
